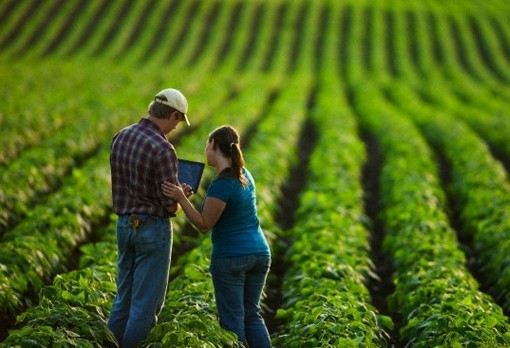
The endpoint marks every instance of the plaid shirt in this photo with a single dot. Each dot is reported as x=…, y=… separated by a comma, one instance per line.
x=141, y=159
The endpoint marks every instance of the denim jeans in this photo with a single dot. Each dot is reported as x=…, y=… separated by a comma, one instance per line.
x=238, y=284
x=143, y=269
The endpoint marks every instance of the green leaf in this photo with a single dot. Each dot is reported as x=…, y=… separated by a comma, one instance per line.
x=385, y=322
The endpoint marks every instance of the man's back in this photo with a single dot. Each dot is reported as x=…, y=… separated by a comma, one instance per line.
x=141, y=159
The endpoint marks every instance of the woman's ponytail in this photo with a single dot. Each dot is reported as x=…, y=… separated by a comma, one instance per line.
x=237, y=163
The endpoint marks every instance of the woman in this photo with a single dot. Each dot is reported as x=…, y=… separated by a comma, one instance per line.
x=240, y=258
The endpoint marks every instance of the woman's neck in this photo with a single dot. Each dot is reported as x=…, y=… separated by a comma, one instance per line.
x=222, y=164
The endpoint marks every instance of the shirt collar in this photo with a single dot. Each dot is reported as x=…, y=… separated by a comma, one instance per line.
x=149, y=124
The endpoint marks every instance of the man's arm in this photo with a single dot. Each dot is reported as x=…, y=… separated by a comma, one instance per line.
x=166, y=169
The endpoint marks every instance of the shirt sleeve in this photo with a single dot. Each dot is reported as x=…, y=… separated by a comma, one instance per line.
x=166, y=170
x=219, y=189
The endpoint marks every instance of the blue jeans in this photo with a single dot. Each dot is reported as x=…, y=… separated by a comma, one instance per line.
x=238, y=284
x=143, y=269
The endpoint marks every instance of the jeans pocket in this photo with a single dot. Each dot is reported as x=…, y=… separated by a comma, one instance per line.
x=241, y=263
x=147, y=239
x=228, y=266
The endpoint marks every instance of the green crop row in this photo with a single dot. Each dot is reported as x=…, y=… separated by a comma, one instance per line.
x=459, y=57
x=326, y=302
x=435, y=297
x=73, y=310
x=441, y=39
x=81, y=29
x=25, y=24
x=41, y=169
x=42, y=244
x=481, y=105
x=480, y=49
x=480, y=190
x=405, y=57
x=131, y=41
x=491, y=121
x=29, y=116
x=490, y=47
x=463, y=96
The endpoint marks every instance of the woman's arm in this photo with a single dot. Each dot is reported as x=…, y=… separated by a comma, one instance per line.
x=204, y=221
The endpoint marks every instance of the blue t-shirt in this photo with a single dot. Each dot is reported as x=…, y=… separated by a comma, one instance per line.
x=237, y=231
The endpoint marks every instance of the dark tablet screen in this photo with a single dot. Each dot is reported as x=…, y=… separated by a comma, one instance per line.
x=190, y=172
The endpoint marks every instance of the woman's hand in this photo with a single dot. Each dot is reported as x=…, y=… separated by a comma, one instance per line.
x=188, y=191
x=173, y=191
x=204, y=220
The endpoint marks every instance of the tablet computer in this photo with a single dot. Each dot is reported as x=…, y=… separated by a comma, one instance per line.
x=190, y=172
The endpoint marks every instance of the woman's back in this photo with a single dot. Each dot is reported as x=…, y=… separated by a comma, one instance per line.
x=237, y=231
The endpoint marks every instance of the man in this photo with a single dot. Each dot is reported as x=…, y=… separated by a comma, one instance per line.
x=141, y=160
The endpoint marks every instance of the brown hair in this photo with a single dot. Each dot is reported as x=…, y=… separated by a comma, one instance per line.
x=228, y=141
x=159, y=110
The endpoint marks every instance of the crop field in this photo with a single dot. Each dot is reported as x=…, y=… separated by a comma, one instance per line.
x=377, y=132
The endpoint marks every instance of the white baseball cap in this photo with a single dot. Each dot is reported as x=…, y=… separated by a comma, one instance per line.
x=175, y=99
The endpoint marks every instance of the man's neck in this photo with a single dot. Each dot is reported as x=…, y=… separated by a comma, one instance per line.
x=158, y=122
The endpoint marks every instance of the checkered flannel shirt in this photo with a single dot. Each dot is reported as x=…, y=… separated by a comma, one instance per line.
x=141, y=158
